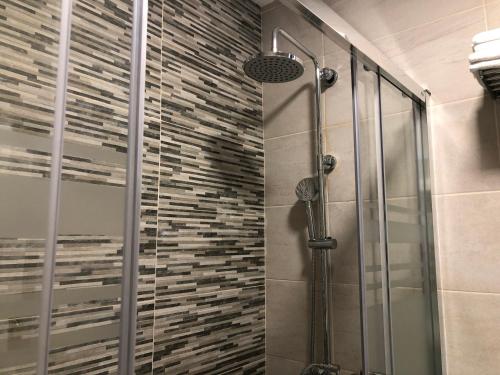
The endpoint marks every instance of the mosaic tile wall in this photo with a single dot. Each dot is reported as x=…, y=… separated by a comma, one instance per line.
x=201, y=287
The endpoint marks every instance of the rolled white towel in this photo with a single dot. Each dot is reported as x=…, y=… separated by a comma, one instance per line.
x=487, y=46
x=486, y=36
x=485, y=55
x=483, y=65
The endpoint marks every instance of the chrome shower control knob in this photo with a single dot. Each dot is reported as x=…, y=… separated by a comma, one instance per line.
x=329, y=163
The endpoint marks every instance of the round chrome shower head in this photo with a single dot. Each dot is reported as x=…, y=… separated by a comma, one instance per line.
x=274, y=67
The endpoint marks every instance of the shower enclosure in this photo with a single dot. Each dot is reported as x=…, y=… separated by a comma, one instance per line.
x=132, y=150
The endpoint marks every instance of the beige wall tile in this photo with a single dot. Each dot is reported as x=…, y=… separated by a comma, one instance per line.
x=469, y=241
x=338, y=99
x=343, y=227
x=348, y=355
x=436, y=54
x=287, y=254
x=289, y=107
x=375, y=19
x=493, y=14
x=281, y=366
x=472, y=322
x=465, y=147
x=287, y=319
x=346, y=314
x=340, y=182
x=288, y=160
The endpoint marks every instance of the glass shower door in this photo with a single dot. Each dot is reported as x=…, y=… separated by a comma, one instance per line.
x=406, y=228
x=85, y=316
x=63, y=201
x=28, y=66
x=399, y=326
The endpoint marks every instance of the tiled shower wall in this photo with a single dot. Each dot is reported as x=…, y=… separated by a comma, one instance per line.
x=201, y=286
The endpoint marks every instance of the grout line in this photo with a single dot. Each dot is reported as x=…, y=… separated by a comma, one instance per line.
x=289, y=280
x=288, y=359
x=288, y=135
x=328, y=203
x=426, y=24
x=269, y=7
x=444, y=291
x=264, y=231
x=466, y=193
x=458, y=101
x=485, y=15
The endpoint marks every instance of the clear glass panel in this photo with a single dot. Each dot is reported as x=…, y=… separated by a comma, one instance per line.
x=406, y=237
x=28, y=66
x=86, y=311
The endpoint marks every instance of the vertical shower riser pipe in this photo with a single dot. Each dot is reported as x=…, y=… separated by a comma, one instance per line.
x=321, y=182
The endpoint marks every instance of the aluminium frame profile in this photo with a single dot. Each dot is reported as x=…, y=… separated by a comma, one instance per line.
x=131, y=235
x=359, y=212
x=128, y=318
x=49, y=263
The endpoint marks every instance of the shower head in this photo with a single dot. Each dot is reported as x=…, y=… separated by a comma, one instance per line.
x=274, y=67
x=307, y=189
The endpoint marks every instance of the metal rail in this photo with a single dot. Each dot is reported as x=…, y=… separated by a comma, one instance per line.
x=55, y=190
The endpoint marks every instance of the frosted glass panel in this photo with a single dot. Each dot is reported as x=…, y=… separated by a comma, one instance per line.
x=410, y=311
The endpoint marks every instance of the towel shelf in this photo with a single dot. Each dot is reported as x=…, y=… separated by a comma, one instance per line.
x=490, y=80
x=485, y=60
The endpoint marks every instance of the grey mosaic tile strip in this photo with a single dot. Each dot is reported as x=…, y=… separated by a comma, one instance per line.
x=150, y=186
x=209, y=308
x=28, y=64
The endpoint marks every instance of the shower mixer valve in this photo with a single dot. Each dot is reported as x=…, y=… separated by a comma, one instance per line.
x=329, y=163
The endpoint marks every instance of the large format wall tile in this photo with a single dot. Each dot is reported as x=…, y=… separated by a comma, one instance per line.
x=338, y=98
x=493, y=14
x=287, y=254
x=343, y=227
x=287, y=317
x=288, y=160
x=435, y=55
x=465, y=147
x=375, y=19
x=472, y=327
x=278, y=366
x=469, y=241
x=289, y=106
x=340, y=182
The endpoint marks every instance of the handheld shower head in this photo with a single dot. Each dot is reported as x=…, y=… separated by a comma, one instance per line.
x=307, y=192
x=274, y=67
x=307, y=189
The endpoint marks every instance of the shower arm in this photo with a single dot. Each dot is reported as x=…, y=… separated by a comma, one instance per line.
x=278, y=31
